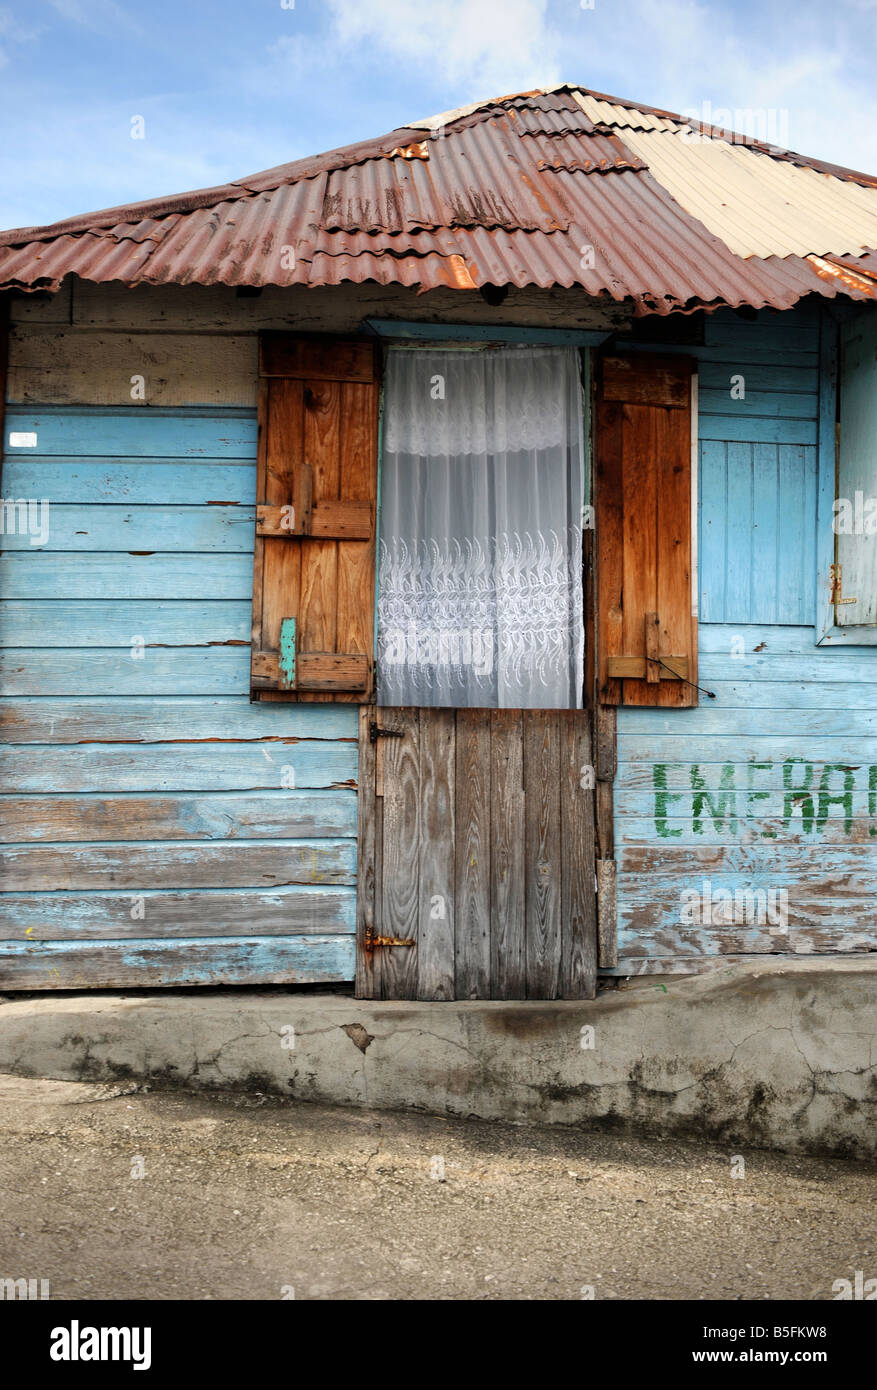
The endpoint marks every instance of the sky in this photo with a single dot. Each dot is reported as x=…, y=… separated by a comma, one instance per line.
x=111, y=101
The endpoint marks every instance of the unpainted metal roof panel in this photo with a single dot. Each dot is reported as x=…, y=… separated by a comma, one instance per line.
x=759, y=206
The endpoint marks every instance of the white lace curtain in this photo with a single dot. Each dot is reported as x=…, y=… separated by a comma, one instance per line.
x=480, y=597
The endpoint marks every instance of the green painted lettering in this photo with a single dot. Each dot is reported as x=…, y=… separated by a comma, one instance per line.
x=844, y=798
x=719, y=806
x=663, y=797
x=798, y=798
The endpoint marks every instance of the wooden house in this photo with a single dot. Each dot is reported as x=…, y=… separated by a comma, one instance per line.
x=447, y=563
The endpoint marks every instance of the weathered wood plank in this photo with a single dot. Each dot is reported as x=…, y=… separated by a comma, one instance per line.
x=150, y=964
x=507, y=859
x=40, y=574
x=769, y=377
x=857, y=864
x=768, y=642
x=668, y=941
x=167, y=482
x=607, y=913
x=155, y=719
x=400, y=868
x=112, y=671
x=76, y=366
x=473, y=854
x=107, y=915
x=266, y=815
x=111, y=527
x=436, y=868
x=368, y=962
x=834, y=830
x=776, y=405
x=810, y=885
x=578, y=943
x=356, y=562
x=137, y=432
x=198, y=767
x=317, y=615
x=542, y=840
x=143, y=866
x=771, y=720
x=767, y=429
x=605, y=758
x=604, y=798
x=754, y=747
x=109, y=623
x=330, y=309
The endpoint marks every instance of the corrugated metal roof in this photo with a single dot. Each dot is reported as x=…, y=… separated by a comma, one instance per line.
x=557, y=187
x=603, y=111
x=759, y=206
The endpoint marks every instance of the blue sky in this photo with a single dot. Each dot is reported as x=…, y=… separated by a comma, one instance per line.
x=226, y=89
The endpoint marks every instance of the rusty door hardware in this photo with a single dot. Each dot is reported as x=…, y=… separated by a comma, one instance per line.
x=375, y=732
x=370, y=941
x=836, y=572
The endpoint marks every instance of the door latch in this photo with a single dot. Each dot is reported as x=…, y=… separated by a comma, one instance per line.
x=370, y=940
x=375, y=732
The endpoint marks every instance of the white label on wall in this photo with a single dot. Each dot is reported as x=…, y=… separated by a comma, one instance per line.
x=18, y=440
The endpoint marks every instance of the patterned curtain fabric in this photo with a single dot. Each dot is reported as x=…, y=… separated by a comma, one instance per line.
x=482, y=491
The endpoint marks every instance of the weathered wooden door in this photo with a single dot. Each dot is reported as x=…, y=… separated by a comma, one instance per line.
x=476, y=849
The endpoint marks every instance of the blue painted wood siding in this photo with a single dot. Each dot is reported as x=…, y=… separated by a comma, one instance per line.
x=771, y=788
x=157, y=827
x=758, y=467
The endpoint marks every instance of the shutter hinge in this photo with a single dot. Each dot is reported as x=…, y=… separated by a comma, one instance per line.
x=836, y=573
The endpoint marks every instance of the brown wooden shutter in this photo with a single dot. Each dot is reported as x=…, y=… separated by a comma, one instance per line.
x=647, y=633
x=316, y=498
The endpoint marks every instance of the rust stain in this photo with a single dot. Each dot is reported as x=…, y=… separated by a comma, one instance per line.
x=843, y=275
x=462, y=278
x=419, y=150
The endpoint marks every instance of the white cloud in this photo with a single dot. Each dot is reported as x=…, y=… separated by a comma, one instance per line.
x=481, y=47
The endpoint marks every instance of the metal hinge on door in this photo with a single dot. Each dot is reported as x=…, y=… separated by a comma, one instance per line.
x=836, y=572
x=375, y=732
x=371, y=940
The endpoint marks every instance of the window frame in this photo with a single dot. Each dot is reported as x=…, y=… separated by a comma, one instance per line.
x=413, y=334
x=827, y=633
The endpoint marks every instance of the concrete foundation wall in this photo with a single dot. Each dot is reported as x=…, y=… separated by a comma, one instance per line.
x=776, y=1055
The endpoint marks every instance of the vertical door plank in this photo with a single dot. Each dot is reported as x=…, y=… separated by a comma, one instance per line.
x=400, y=868
x=368, y=963
x=435, y=937
x=578, y=960
x=473, y=854
x=543, y=854
x=507, y=875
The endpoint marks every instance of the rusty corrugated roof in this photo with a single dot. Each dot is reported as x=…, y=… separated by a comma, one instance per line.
x=550, y=188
